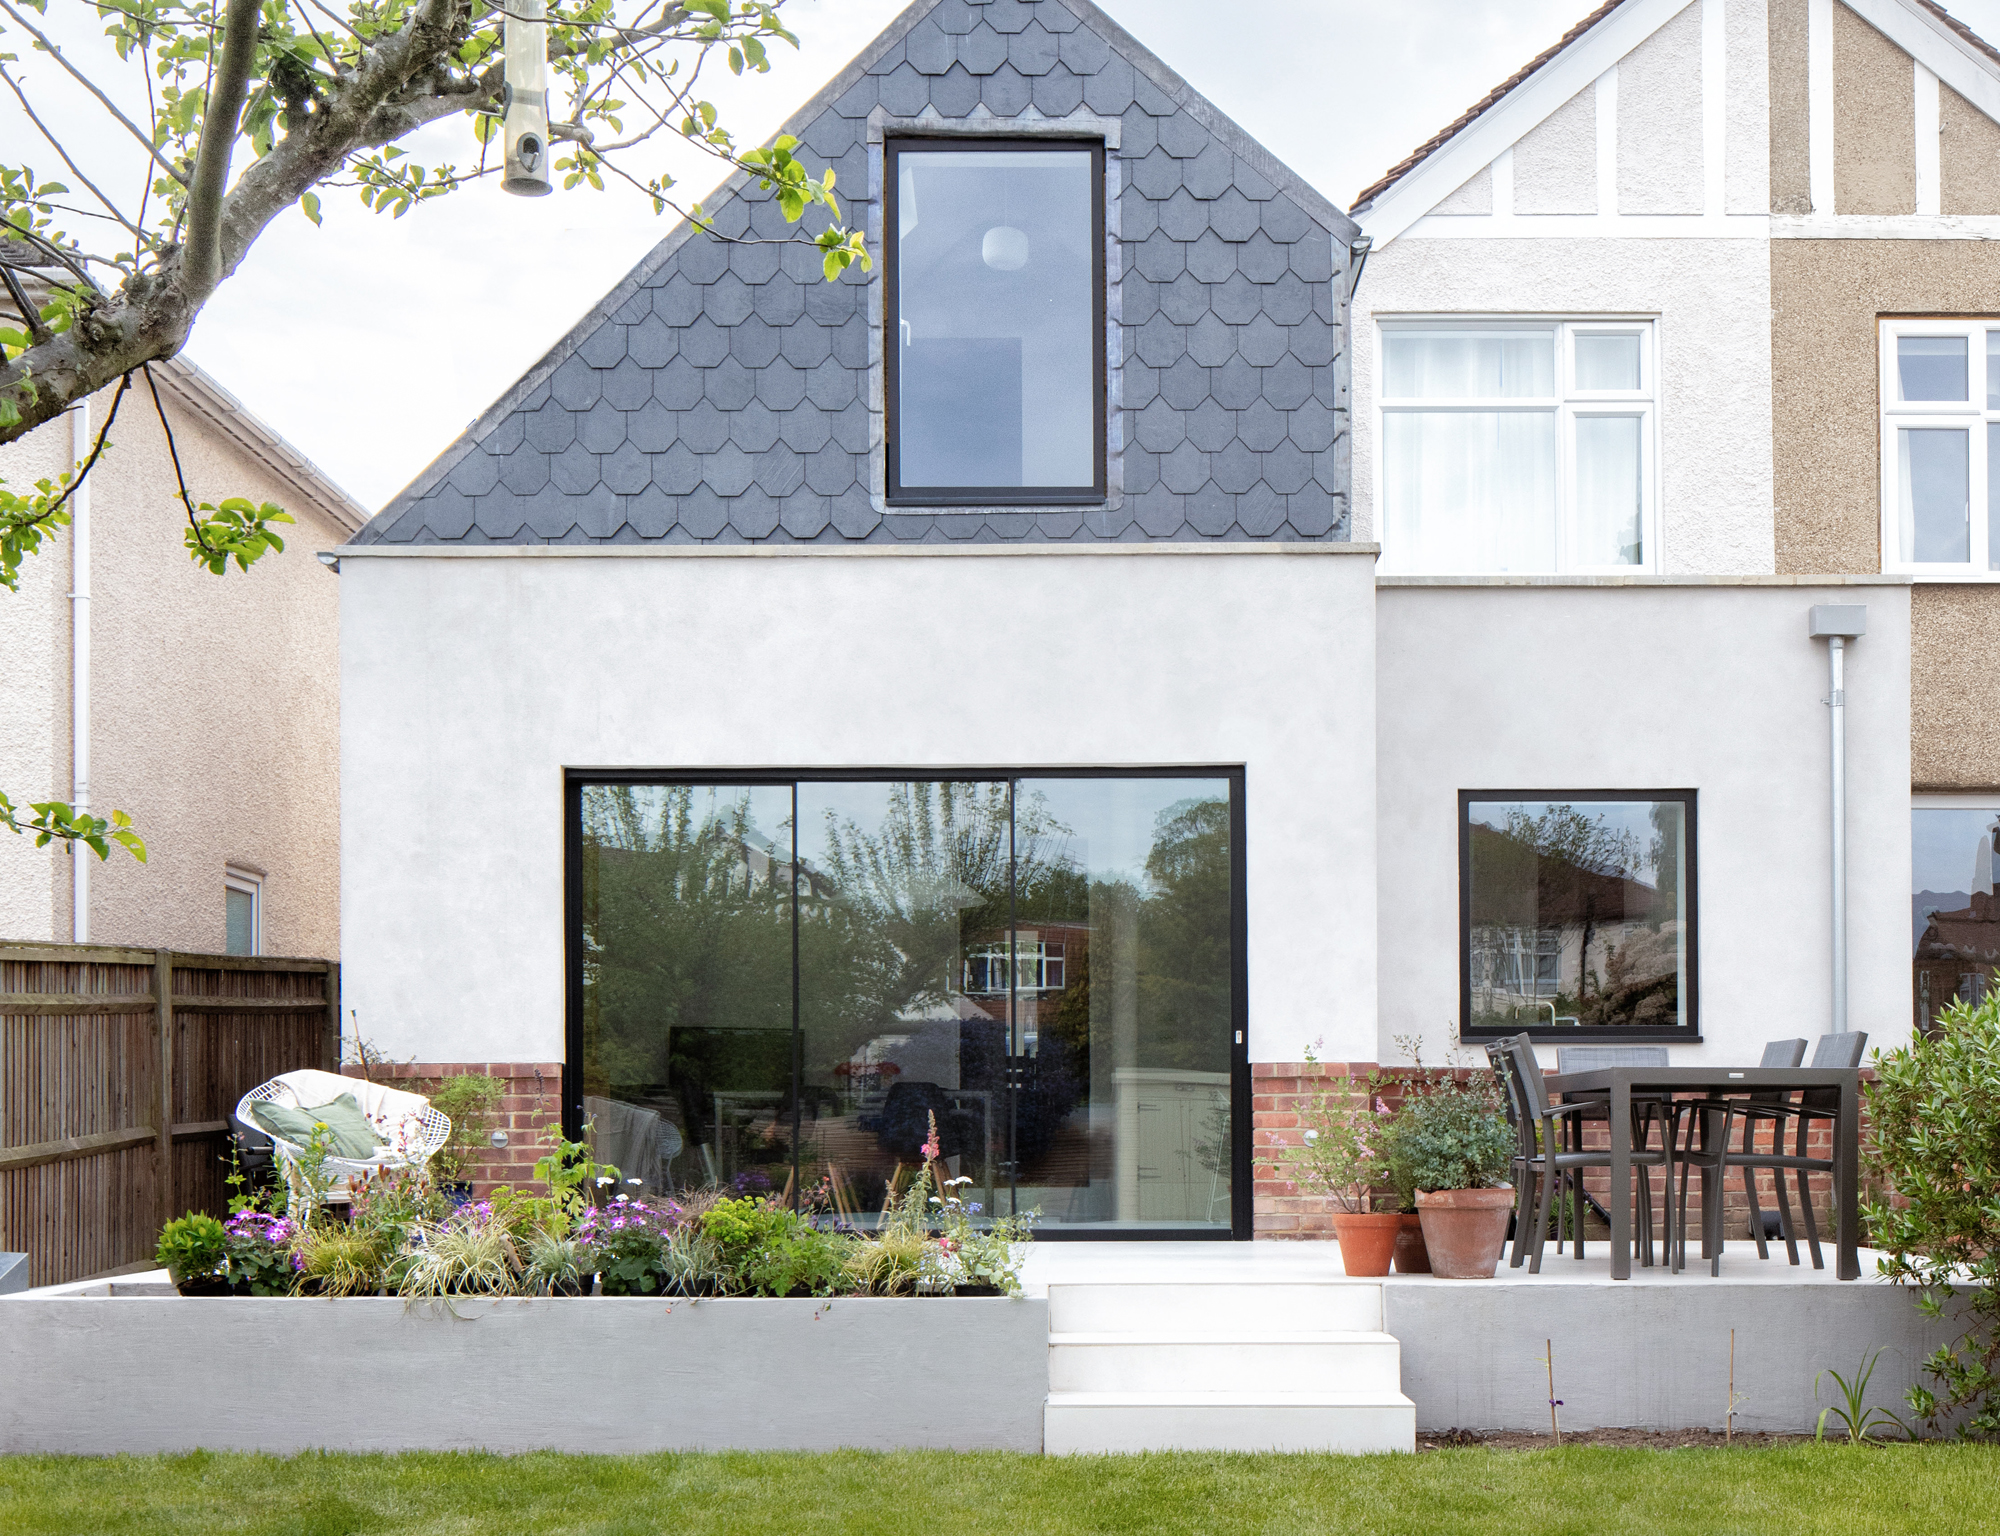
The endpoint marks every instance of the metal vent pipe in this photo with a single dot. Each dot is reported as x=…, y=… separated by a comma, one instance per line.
x=1837, y=624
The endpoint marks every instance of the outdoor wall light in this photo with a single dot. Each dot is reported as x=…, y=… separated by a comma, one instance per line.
x=1005, y=248
x=498, y=1138
x=525, y=101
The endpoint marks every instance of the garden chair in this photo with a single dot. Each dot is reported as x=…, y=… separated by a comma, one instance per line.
x=1552, y=1160
x=412, y=1131
x=637, y=1141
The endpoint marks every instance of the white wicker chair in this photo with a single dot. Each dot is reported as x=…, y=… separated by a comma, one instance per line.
x=414, y=1130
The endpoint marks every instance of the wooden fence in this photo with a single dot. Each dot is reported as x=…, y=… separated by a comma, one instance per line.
x=118, y=1072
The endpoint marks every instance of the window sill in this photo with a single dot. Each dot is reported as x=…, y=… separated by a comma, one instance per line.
x=1585, y=1037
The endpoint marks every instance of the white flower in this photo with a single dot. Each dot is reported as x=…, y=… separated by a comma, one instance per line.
x=604, y=1181
x=635, y=1181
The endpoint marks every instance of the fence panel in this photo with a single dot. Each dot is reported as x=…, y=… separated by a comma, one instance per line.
x=95, y=1043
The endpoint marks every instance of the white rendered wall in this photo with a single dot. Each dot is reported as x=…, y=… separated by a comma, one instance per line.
x=1708, y=687
x=34, y=705
x=1713, y=303
x=471, y=679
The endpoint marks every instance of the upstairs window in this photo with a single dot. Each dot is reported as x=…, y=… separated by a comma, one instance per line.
x=1940, y=392
x=242, y=912
x=1516, y=446
x=995, y=319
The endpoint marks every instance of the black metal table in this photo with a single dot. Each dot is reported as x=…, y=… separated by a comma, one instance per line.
x=1620, y=1083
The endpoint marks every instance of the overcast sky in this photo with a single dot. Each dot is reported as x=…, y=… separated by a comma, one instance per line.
x=370, y=343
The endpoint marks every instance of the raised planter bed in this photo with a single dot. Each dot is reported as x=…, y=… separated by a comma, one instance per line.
x=99, y=1374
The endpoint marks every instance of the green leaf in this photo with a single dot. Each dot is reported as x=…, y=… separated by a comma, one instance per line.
x=309, y=204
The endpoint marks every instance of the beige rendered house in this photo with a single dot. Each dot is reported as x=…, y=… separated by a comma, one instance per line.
x=206, y=707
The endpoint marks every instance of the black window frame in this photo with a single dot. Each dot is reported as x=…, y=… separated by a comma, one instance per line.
x=897, y=494
x=1683, y=1034
x=1242, y=1225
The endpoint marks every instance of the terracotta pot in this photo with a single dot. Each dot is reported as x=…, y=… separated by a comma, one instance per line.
x=1367, y=1243
x=1465, y=1230
x=1412, y=1257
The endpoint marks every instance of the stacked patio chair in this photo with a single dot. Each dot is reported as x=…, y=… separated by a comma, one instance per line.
x=1713, y=1156
x=1550, y=1156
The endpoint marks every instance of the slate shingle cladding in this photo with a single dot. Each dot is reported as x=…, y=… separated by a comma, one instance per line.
x=722, y=392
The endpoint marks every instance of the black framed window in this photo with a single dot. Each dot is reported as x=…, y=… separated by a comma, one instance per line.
x=780, y=981
x=994, y=345
x=1577, y=914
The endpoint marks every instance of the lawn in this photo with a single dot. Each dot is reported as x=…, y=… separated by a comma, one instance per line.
x=1796, y=1489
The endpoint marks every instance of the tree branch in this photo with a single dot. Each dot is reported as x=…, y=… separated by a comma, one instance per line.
x=203, y=251
x=85, y=81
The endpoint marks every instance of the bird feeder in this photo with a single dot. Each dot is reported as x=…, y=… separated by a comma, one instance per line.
x=525, y=100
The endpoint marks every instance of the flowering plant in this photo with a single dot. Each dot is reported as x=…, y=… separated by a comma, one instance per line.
x=625, y=1242
x=260, y=1253
x=1345, y=1146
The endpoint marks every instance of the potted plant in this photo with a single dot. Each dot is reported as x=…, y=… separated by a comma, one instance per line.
x=1345, y=1137
x=1458, y=1149
x=194, y=1249
x=1412, y=1256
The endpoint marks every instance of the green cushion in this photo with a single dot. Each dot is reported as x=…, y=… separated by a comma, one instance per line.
x=352, y=1136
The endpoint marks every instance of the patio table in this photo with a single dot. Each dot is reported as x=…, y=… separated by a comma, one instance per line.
x=1619, y=1083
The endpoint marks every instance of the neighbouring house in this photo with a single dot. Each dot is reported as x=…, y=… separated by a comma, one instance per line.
x=740, y=714
x=206, y=707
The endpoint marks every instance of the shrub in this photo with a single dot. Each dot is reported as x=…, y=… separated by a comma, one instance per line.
x=343, y=1259
x=260, y=1253
x=1935, y=1112
x=470, y=1253
x=556, y=1266
x=194, y=1247
x=768, y=1250
x=1451, y=1134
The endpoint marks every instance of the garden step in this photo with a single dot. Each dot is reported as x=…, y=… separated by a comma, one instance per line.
x=1171, y=1306
x=1226, y=1360
x=1352, y=1422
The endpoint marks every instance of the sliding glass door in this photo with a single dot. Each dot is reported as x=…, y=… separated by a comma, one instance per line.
x=783, y=986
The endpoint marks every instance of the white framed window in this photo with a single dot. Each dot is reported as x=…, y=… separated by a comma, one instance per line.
x=1516, y=445
x=1940, y=393
x=242, y=911
x=1038, y=967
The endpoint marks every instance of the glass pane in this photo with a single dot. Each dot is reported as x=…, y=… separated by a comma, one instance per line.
x=1993, y=370
x=1609, y=494
x=1469, y=491
x=1954, y=923
x=1934, y=477
x=904, y=999
x=995, y=271
x=1992, y=496
x=1607, y=362
x=1579, y=914
x=687, y=983
x=1468, y=365
x=1931, y=367
x=1123, y=1117
x=239, y=912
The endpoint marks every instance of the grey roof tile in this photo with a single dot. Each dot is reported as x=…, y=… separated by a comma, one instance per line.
x=448, y=512
x=703, y=259
x=705, y=428
x=886, y=62
x=501, y=514
x=506, y=436
x=755, y=427
x=677, y=301
x=1260, y=511
x=1159, y=428
x=598, y=513
x=1108, y=522
x=982, y=50
x=780, y=385
x=830, y=385
x=1211, y=258
x=1211, y=511
x=1185, y=385
x=830, y=134
x=803, y=514
x=1160, y=342
x=1239, y=301
x=805, y=429
x=1007, y=526
x=1139, y=136
x=850, y=342
x=1009, y=16
x=651, y=429
x=1251, y=182
x=1184, y=300
x=728, y=470
x=1107, y=89
x=603, y=347
x=1326, y=471
x=831, y=303
x=678, y=470
x=955, y=93
x=754, y=514
x=831, y=470
x=1182, y=137
x=603, y=427
x=573, y=471
x=1057, y=93
x=1151, y=99
x=550, y=429
x=1284, y=221
x=806, y=344
x=1236, y=384
x=1288, y=384
x=853, y=514
x=1141, y=384
x=729, y=386
x=1312, y=257
x=1233, y=216
x=858, y=100
x=1210, y=427
x=756, y=264
x=1160, y=259
x=704, y=343
x=1209, y=173
x=1288, y=301
x=1141, y=300
x=1312, y=513
x=1138, y=217
x=1185, y=469
x=1158, y=175
x=1182, y=217
x=475, y=474
x=652, y=344
x=703, y=513
x=1060, y=19
x=550, y=517
x=753, y=343
x=1006, y=92
x=853, y=427
x=928, y=48
x=651, y=513
x=628, y=386
x=780, y=470
x=678, y=385
x=1262, y=426
x=1236, y=468
x=1142, y=470
x=904, y=92
x=1059, y=523
x=1261, y=260
x=576, y=385
x=634, y=309
x=1314, y=342
x=1286, y=469
x=524, y=471
x=1032, y=50
x=628, y=471
x=1159, y=512
x=729, y=217
x=780, y=302
x=1210, y=342
x=1311, y=428
x=727, y=301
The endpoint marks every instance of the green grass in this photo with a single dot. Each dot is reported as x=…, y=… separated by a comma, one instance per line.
x=1798, y=1490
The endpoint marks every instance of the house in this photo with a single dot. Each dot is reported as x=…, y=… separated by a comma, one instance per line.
x=751, y=560
x=206, y=707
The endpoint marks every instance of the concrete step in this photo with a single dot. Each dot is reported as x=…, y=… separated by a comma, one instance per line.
x=1172, y=1306
x=1075, y=1423
x=1217, y=1359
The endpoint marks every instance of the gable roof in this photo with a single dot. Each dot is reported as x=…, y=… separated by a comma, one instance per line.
x=1479, y=108
x=651, y=419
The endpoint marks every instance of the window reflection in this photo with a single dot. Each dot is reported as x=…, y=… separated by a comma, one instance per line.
x=1954, y=921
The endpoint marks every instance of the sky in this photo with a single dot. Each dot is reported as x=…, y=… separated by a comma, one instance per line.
x=370, y=343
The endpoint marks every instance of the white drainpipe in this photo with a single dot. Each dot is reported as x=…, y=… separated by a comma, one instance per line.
x=79, y=673
x=1838, y=623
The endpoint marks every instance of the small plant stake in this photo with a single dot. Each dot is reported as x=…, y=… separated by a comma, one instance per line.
x=1549, y=1359
x=1729, y=1421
